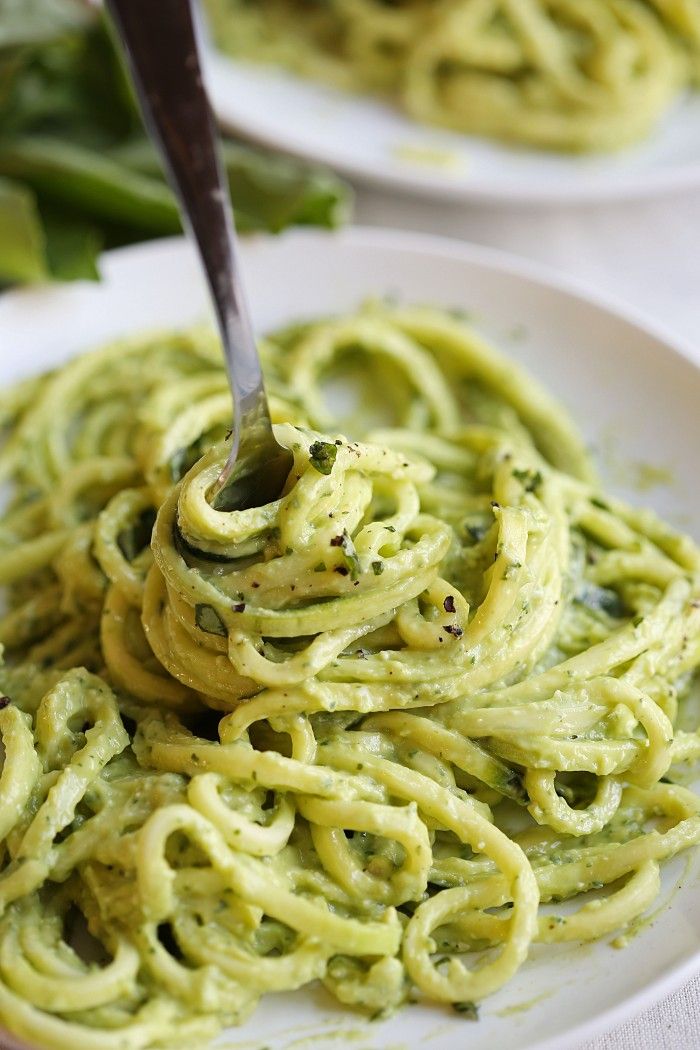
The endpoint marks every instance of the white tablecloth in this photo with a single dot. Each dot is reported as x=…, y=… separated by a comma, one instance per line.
x=649, y=255
x=645, y=253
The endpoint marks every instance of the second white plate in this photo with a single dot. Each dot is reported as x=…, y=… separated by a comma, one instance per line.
x=372, y=141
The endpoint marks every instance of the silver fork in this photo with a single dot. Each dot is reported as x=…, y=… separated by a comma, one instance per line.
x=161, y=46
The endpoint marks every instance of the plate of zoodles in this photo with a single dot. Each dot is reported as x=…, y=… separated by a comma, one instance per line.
x=405, y=757
x=513, y=100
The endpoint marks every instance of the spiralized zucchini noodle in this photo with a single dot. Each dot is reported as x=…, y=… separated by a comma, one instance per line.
x=557, y=74
x=368, y=734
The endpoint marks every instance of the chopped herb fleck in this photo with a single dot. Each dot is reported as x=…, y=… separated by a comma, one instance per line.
x=531, y=479
x=132, y=541
x=449, y=604
x=469, y=1011
x=321, y=567
x=208, y=620
x=322, y=456
x=239, y=607
x=352, y=562
x=377, y=567
x=454, y=630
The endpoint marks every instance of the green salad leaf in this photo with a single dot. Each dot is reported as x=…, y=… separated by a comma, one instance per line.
x=77, y=173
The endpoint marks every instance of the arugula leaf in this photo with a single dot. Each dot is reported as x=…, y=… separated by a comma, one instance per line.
x=268, y=192
x=72, y=246
x=22, y=245
x=85, y=176
x=81, y=178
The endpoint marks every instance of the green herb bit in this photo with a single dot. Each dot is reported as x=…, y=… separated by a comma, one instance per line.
x=377, y=567
x=530, y=479
x=350, y=556
x=208, y=620
x=511, y=569
x=132, y=541
x=322, y=456
x=469, y=1011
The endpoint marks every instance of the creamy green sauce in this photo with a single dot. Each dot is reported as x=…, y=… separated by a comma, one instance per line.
x=523, y=1007
x=428, y=156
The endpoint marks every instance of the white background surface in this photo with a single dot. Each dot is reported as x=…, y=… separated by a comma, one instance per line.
x=644, y=252
x=647, y=253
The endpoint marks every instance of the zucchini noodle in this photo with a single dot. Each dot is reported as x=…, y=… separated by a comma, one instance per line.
x=557, y=74
x=369, y=734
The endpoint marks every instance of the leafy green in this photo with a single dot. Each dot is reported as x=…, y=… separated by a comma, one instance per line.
x=530, y=479
x=77, y=171
x=132, y=541
x=22, y=245
x=208, y=619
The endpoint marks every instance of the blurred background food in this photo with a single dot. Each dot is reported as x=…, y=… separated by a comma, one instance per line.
x=77, y=173
x=558, y=74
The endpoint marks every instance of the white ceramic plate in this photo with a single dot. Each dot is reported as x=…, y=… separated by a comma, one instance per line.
x=372, y=141
x=633, y=394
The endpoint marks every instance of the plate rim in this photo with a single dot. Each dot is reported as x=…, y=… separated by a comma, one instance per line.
x=368, y=236
x=496, y=261
x=422, y=183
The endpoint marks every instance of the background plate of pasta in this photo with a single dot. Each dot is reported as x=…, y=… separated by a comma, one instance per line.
x=403, y=758
x=520, y=100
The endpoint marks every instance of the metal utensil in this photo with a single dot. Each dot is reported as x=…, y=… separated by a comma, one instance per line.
x=161, y=46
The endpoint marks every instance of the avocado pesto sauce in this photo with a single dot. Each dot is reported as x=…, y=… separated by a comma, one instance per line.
x=357, y=735
x=555, y=74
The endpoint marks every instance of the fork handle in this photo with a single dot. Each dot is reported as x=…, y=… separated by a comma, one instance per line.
x=161, y=46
